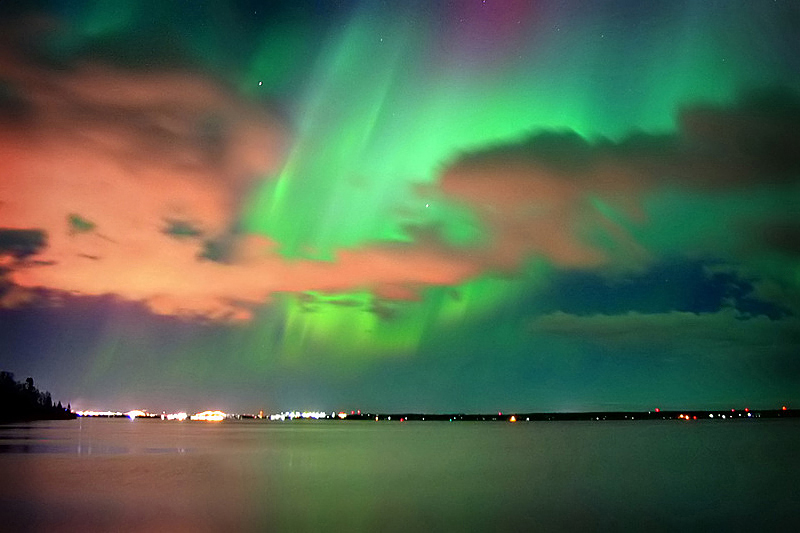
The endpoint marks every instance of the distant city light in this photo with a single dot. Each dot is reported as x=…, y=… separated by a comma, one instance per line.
x=209, y=416
x=291, y=415
x=89, y=412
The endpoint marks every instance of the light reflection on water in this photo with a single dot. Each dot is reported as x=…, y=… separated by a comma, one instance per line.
x=151, y=475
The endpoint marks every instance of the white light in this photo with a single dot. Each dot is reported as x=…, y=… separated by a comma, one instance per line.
x=209, y=416
x=259, y=83
x=98, y=413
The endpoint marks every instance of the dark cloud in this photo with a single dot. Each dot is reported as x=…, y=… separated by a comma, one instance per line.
x=182, y=229
x=673, y=285
x=21, y=243
x=755, y=140
x=760, y=134
x=218, y=251
x=582, y=203
x=783, y=238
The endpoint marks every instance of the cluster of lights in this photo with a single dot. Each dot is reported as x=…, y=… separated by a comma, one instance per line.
x=209, y=416
x=215, y=416
x=138, y=413
x=291, y=415
x=89, y=412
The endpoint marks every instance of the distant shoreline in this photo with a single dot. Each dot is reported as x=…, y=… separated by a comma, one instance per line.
x=597, y=416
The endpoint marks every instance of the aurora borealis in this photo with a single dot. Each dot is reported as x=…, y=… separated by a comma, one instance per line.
x=434, y=206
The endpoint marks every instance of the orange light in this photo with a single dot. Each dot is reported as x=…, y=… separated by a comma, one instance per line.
x=512, y=419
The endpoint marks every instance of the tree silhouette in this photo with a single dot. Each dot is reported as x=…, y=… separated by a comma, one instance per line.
x=22, y=401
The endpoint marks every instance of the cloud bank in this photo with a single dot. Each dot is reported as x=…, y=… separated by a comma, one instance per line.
x=130, y=183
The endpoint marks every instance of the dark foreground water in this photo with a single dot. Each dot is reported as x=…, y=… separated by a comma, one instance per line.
x=148, y=475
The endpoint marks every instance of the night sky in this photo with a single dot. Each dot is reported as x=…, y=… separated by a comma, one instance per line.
x=401, y=206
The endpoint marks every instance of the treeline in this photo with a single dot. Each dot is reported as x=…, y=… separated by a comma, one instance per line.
x=21, y=401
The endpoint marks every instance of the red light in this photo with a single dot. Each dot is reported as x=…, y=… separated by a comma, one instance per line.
x=352, y=412
x=658, y=410
x=784, y=408
x=733, y=410
x=746, y=409
x=694, y=418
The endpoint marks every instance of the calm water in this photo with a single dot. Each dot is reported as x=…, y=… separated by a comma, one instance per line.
x=147, y=475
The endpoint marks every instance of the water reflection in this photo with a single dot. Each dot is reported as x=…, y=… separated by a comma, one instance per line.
x=101, y=475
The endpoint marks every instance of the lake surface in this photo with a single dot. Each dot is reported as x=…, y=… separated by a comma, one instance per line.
x=152, y=475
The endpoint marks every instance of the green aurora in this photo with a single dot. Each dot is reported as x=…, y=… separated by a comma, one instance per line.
x=382, y=100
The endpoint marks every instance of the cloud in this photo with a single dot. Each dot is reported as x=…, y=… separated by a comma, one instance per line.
x=181, y=229
x=21, y=243
x=112, y=165
x=781, y=237
x=583, y=203
x=677, y=332
x=137, y=178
